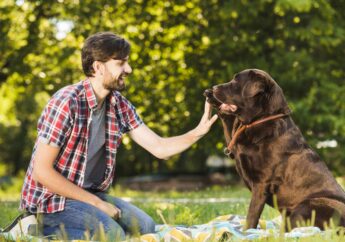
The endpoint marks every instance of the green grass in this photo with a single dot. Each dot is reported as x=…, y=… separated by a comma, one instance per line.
x=193, y=212
x=9, y=210
x=186, y=213
x=174, y=213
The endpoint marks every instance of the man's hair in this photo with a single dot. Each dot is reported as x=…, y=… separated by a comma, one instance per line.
x=102, y=46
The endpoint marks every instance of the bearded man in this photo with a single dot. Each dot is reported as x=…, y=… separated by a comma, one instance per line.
x=79, y=131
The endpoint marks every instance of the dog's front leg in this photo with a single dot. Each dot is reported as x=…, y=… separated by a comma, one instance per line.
x=256, y=206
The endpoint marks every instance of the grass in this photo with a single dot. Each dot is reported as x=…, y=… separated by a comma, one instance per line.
x=187, y=213
x=194, y=210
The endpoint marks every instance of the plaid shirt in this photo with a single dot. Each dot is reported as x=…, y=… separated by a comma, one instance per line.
x=65, y=123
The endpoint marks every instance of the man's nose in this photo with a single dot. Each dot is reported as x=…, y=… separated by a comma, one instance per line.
x=128, y=68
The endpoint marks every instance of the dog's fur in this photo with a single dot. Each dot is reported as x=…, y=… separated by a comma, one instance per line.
x=273, y=158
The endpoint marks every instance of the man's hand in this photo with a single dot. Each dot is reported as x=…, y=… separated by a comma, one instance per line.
x=206, y=121
x=109, y=209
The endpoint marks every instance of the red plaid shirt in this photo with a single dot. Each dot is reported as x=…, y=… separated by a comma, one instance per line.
x=65, y=123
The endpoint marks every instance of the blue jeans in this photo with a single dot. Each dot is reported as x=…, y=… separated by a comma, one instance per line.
x=79, y=217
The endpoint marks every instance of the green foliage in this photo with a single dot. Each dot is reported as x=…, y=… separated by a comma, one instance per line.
x=179, y=49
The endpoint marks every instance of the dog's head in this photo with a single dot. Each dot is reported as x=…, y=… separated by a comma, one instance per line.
x=250, y=95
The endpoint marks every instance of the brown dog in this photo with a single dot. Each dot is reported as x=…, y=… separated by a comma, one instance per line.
x=271, y=154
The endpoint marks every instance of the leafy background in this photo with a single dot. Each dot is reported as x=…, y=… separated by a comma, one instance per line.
x=179, y=48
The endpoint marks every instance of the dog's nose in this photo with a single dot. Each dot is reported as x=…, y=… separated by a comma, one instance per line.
x=208, y=93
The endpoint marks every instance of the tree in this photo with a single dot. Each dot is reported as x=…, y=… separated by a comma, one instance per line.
x=178, y=50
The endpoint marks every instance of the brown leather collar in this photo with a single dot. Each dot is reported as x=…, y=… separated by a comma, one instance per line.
x=238, y=132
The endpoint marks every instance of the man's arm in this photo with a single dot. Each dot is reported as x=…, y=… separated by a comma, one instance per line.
x=163, y=148
x=44, y=173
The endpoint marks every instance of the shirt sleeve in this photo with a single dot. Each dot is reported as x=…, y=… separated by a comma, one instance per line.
x=131, y=119
x=54, y=124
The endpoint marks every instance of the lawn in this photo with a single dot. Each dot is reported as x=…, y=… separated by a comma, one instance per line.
x=172, y=207
x=193, y=207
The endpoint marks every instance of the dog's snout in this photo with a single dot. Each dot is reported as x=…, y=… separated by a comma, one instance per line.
x=208, y=93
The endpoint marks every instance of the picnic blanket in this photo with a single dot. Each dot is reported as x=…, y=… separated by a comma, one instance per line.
x=224, y=227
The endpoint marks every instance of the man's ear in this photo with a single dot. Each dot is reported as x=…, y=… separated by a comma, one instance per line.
x=98, y=67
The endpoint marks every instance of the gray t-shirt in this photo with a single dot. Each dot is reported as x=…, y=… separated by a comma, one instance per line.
x=96, y=164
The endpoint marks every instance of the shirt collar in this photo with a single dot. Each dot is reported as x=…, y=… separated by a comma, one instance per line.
x=113, y=98
x=91, y=97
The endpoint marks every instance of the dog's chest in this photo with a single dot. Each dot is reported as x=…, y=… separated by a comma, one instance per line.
x=249, y=166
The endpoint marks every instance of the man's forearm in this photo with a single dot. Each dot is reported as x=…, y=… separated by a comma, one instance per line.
x=163, y=148
x=174, y=145
x=58, y=184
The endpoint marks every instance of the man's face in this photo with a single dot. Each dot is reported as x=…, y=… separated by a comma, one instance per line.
x=115, y=71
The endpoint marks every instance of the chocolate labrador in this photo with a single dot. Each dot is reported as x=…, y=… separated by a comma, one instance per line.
x=272, y=157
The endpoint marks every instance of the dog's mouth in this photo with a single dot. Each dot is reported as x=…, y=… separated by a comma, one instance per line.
x=217, y=103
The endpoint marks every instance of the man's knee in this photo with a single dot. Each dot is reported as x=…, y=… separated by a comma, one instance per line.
x=111, y=229
x=147, y=226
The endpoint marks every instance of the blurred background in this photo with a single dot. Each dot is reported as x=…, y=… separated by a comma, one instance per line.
x=179, y=48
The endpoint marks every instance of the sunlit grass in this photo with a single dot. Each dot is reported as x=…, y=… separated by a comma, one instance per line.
x=9, y=210
x=175, y=213
x=214, y=191
x=189, y=212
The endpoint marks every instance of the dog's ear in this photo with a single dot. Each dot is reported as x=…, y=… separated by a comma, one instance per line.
x=256, y=85
x=264, y=83
x=277, y=101
x=253, y=89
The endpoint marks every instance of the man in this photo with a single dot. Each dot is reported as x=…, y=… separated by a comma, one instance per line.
x=79, y=131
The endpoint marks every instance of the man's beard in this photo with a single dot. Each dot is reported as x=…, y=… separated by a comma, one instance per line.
x=117, y=84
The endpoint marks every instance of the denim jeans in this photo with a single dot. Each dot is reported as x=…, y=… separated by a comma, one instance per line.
x=79, y=217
